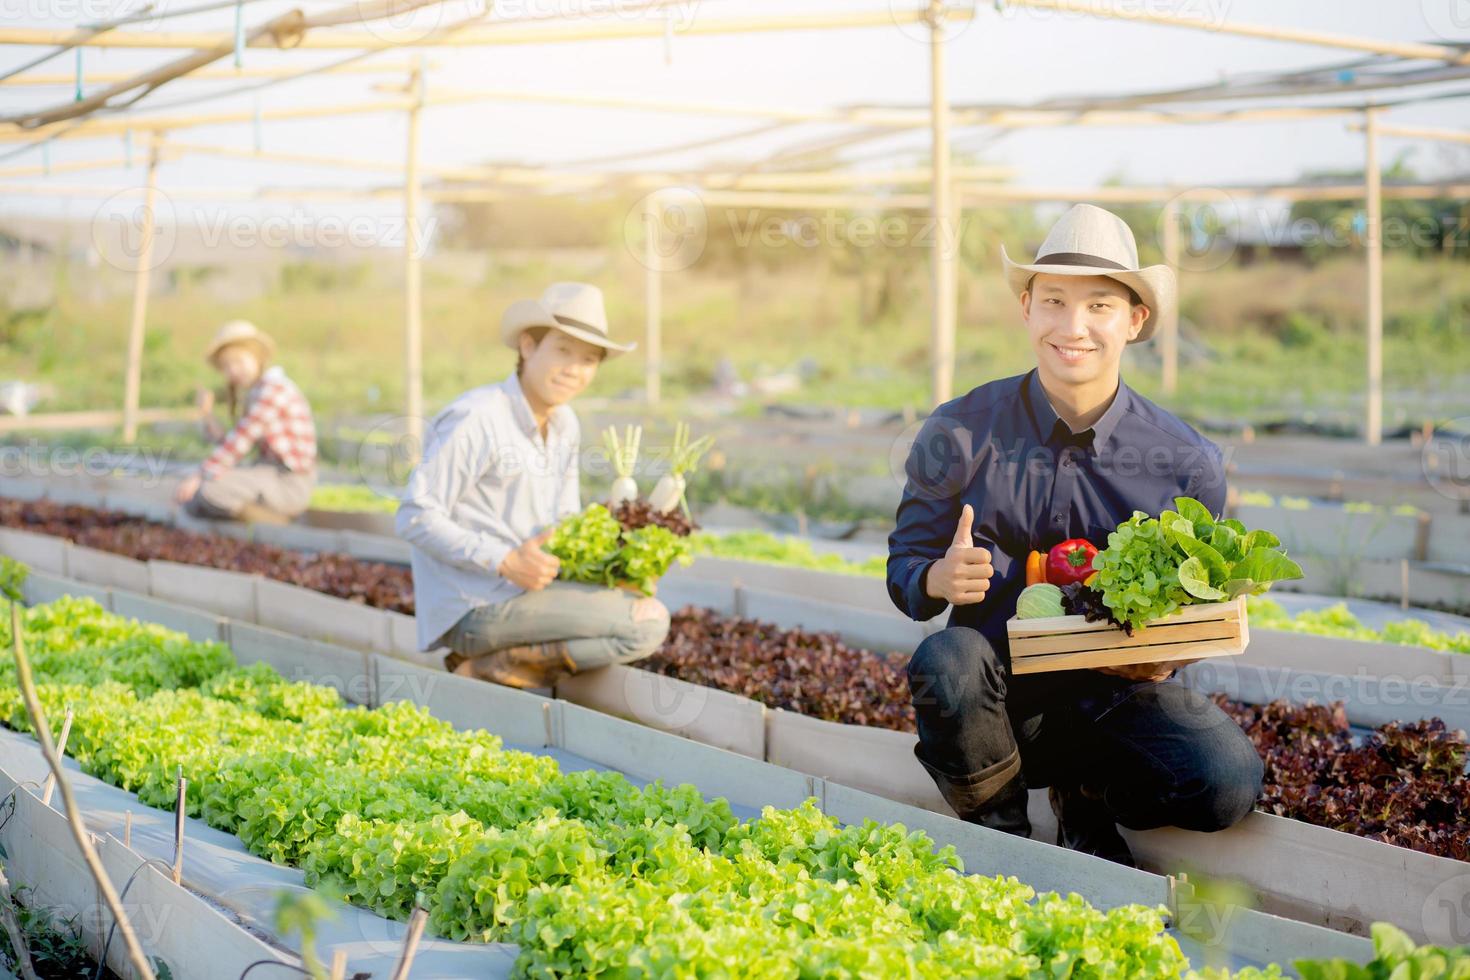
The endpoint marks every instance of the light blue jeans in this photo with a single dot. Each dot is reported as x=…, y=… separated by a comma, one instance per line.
x=599, y=626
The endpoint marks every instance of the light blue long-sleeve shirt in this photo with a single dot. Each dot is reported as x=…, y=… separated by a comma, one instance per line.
x=487, y=482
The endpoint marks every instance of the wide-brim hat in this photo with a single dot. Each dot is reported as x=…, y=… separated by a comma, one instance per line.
x=574, y=308
x=1089, y=241
x=240, y=332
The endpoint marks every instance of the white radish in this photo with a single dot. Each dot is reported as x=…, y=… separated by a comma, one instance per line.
x=624, y=490
x=623, y=455
x=669, y=492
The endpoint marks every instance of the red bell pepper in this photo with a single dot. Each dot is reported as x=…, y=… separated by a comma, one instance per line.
x=1070, y=561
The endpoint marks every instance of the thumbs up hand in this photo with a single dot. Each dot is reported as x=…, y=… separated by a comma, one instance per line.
x=962, y=576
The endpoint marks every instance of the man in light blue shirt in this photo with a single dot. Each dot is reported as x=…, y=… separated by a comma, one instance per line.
x=499, y=470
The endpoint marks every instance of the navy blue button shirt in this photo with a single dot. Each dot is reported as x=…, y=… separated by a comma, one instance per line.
x=1034, y=483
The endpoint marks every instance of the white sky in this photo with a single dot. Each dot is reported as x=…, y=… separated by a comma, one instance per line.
x=1020, y=56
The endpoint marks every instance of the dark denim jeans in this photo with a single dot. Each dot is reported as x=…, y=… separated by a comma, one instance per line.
x=1157, y=754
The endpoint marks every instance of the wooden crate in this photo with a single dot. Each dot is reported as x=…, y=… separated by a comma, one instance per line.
x=1207, y=629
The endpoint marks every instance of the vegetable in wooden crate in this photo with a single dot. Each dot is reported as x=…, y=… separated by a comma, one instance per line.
x=1152, y=567
x=1184, y=572
x=1070, y=561
x=1038, y=601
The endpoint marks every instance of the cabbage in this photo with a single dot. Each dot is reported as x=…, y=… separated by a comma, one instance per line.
x=1039, y=600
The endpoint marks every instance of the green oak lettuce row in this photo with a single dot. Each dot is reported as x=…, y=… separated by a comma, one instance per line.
x=588, y=873
x=1338, y=621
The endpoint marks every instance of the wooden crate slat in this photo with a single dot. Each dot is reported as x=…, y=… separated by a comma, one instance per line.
x=1219, y=629
x=1202, y=630
x=1195, y=650
x=1077, y=624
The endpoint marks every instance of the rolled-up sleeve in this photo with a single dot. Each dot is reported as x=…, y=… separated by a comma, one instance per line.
x=936, y=473
x=459, y=451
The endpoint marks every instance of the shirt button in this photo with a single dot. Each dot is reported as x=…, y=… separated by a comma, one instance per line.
x=1057, y=519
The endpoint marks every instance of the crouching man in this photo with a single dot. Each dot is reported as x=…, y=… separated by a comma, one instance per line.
x=1066, y=450
x=499, y=470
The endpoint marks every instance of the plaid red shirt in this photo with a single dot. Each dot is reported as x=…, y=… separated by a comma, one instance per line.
x=277, y=421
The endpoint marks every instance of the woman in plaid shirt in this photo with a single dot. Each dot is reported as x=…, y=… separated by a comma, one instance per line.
x=276, y=422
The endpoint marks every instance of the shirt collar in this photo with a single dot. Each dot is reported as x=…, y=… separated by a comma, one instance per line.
x=525, y=418
x=1051, y=429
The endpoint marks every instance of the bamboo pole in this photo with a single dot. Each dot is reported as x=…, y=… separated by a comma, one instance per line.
x=132, y=385
x=823, y=179
x=944, y=254
x=491, y=35
x=1419, y=133
x=1169, y=332
x=976, y=194
x=777, y=200
x=207, y=74
x=900, y=117
x=65, y=167
x=1373, y=240
x=66, y=421
x=416, y=923
x=509, y=175
x=1045, y=118
x=413, y=341
x=179, y=807
x=869, y=117
x=19, y=949
x=525, y=176
x=1147, y=15
x=91, y=128
x=894, y=118
x=50, y=784
x=653, y=217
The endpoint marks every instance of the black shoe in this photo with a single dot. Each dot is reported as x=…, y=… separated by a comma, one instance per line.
x=1084, y=824
x=994, y=798
x=1007, y=811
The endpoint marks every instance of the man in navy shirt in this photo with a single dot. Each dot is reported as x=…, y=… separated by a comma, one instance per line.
x=1021, y=464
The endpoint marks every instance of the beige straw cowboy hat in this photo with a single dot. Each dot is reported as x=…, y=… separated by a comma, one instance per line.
x=574, y=308
x=1088, y=241
x=240, y=332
